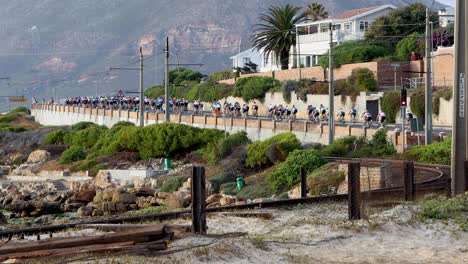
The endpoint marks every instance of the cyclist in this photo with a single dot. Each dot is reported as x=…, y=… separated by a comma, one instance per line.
x=245, y=110
x=409, y=116
x=323, y=112
x=367, y=118
x=255, y=109
x=353, y=113
x=381, y=117
x=341, y=115
x=293, y=113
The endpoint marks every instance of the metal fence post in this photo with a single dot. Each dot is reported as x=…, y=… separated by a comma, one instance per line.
x=303, y=183
x=198, y=200
x=409, y=190
x=354, y=191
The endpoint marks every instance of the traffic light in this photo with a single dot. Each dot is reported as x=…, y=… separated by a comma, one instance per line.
x=404, y=98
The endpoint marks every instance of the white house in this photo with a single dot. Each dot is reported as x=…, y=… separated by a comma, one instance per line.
x=314, y=36
x=246, y=56
x=446, y=16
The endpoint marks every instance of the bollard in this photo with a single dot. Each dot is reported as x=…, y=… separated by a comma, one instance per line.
x=303, y=183
x=198, y=200
x=409, y=190
x=354, y=191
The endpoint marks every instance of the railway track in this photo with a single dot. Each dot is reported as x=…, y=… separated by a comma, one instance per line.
x=441, y=181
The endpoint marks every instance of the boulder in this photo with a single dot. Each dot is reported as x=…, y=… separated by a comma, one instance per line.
x=3, y=219
x=163, y=195
x=133, y=207
x=98, y=198
x=240, y=203
x=45, y=219
x=142, y=192
x=83, y=196
x=125, y=198
x=38, y=156
x=215, y=204
x=171, y=201
x=108, y=194
x=97, y=212
x=73, y=207
x=213, y=198
x=84, y=211
x=227, y=201
x=18, y=206
x=108, y=207
x=121, y=207
x=103, y=180
x=53, y=198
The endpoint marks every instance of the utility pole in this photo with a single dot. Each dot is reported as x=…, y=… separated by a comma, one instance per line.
x=331, y=91
x=428, y=97
x=142, y=96
x=298, y=57
x=166, y=81
x=459, y=129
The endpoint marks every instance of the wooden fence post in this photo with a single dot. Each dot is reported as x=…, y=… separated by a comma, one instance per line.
x=303, y=183
x=408, y=181
x=354, y=190
x=198, y=200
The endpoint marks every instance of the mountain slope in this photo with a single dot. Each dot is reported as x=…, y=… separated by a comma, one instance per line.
x=57, y=45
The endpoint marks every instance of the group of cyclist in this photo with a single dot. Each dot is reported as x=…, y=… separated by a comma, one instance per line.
x=276, y=112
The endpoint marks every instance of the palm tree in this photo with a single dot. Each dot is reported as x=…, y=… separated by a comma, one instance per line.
x=315, y=11
x=276, y=33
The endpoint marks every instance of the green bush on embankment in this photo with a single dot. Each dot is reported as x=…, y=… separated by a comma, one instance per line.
x=155, y=141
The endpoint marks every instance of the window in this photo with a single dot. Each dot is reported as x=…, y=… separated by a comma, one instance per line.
x=324, y=29
x=337, y=27
x=364, y=26
x=246, y=60
x=265, y=59
x=308, y=64
x=347, y=26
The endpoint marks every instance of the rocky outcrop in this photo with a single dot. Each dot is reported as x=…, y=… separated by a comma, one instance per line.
x=38, y=156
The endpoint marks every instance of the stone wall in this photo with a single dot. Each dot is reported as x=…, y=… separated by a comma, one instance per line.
x=256, y=129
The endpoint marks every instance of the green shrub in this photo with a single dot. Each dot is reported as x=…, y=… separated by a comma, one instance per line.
x=254, y=87
x=209, y=91
x=164, y=140
x=221, y=75
x=217, y=150
x=21, y=109
x=443, y=92
x=418, y=103
x=324, y=178
x=229, y=188
x=56, y=137
x=72, y=154
x=172, y=184
x=341, y=147
x=362, y=80
x=354, y=52
x=436, y=153
x=221, y=179
x=84, y=165
x=288, y=173
x=408, y=45
x=287, y=88
x=83, y=125
x=7, y=118
x=87, y=137
x=269, y=151
x=390, y=104
x=13, y=129
x=155, y=92
x=377, y=147
x=447, y=209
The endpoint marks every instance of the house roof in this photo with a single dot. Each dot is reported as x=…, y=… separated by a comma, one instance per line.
x=243, y=53
x=355, y=12
x=349, y=15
